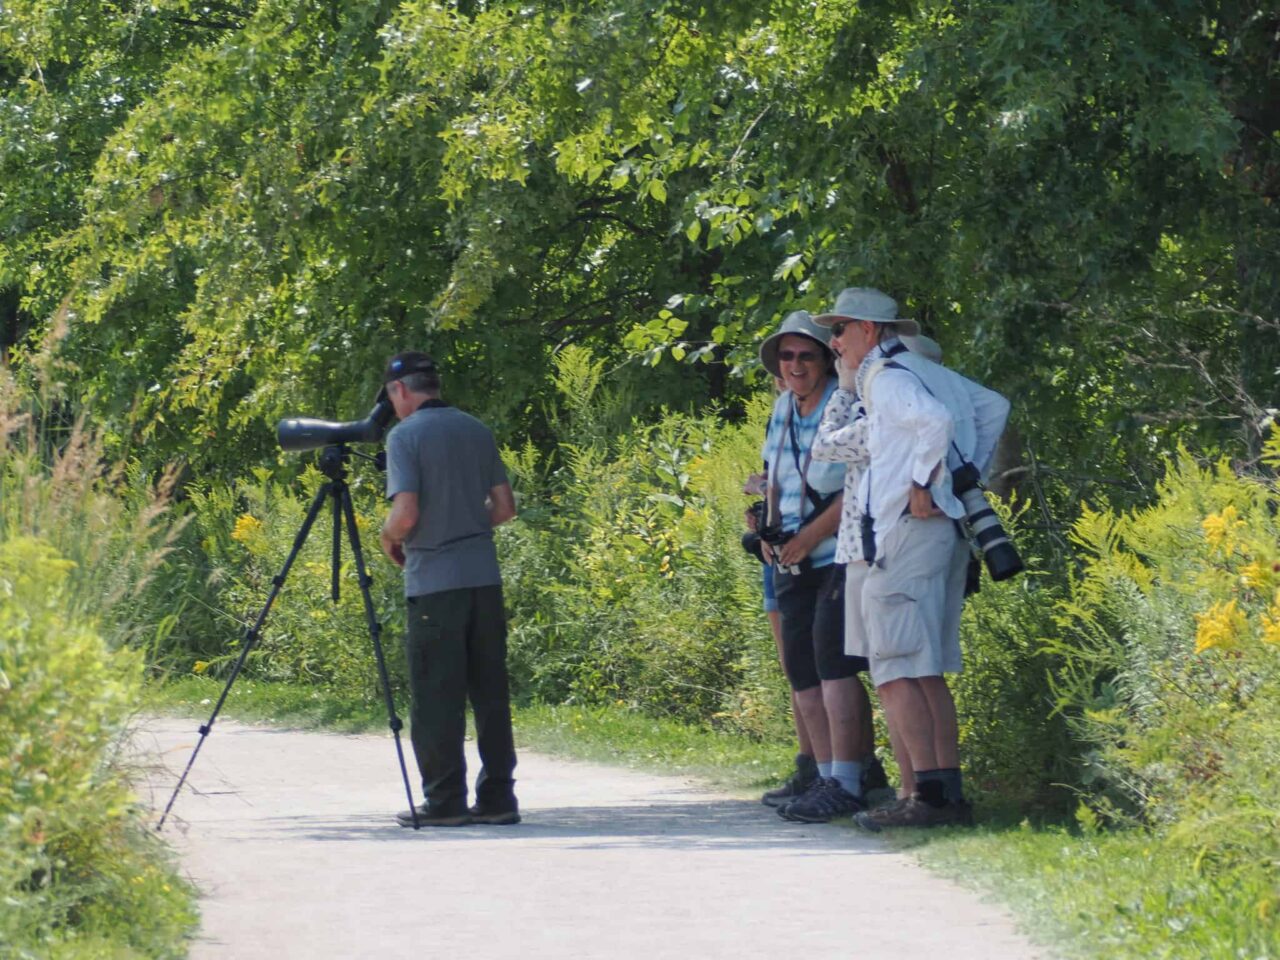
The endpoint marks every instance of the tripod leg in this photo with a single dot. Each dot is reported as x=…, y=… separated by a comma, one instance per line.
x=251, y=636
x=337, y=546
x=375, y=634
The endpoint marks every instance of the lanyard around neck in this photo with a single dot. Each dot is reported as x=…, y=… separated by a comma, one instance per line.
x=775, y=493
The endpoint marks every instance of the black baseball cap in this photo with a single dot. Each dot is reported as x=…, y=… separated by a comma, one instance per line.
x=404, y=364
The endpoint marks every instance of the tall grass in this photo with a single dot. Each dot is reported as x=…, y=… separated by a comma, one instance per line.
x=80, y=546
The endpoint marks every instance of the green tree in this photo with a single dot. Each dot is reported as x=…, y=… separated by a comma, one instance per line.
x=1075, y=199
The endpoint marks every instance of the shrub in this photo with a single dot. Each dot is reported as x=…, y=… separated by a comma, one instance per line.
x=242, y=537
x=78, y=870
x=1170, y=640
x=81, y=570
x=1014, y=745
x=626, y=581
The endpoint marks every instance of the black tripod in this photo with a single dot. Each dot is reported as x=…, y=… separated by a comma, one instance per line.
x=333, y=464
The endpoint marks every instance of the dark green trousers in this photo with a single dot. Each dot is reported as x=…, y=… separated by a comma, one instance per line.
x=456, y=647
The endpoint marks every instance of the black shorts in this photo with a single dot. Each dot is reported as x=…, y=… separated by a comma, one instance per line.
x=812, y=606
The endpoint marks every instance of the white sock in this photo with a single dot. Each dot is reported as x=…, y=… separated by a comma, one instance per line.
x=824, y=770
x=849, y=773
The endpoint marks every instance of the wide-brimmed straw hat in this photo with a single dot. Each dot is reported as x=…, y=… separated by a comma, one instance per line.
x=799, y=323
x=866, y=303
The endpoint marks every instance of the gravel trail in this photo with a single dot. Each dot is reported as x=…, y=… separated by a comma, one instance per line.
x=291, y=839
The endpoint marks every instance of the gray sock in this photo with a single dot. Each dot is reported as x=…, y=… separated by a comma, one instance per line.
x=849, y=773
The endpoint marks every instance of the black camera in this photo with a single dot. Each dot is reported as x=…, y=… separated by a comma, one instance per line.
x=997, y=549
x=770, y=533
x=867, y=533
x=751, y=539
x=304, y=433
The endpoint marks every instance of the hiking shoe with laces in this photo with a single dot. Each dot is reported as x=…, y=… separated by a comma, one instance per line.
x=819, y=785
x=802, y=779
x=823, y=805
x=914, y=812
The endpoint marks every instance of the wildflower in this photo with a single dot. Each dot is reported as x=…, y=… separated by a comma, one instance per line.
x=1256, y=574
x=1219, y=626
x=1271, y=622
x=1219, y=528
x=247, y=525
x=1271, y=629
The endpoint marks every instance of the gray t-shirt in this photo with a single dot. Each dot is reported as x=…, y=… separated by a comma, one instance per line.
x=449, y=459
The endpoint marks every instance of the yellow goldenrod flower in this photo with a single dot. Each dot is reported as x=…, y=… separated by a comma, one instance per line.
x=1271, y=622
x=246, y=526
x=1219, y=626
x=1220, y=527
x=1256, y=574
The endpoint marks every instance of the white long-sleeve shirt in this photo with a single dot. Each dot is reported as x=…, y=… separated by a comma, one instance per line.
x=920, y=416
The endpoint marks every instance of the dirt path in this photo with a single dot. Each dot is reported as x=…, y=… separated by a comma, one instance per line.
x=291, y=839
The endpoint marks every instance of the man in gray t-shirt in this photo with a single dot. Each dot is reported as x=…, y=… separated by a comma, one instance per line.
x=448, y=490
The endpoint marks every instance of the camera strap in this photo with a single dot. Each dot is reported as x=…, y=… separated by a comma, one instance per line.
x=964, y=461
x=775, y=493
x=865, y=383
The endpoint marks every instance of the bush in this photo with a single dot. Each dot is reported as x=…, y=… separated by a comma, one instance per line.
x=1170, y=640
x=241, y=538
x=81, y=574
x=79, y=873
x=626, y=581
x=1014, y=747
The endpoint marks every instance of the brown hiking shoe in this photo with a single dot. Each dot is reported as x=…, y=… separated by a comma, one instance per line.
x=914, y=812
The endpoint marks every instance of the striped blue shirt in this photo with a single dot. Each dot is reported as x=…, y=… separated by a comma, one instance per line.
x=824, y=478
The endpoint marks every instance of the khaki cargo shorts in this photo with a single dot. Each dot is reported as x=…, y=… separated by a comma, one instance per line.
x=903, y=614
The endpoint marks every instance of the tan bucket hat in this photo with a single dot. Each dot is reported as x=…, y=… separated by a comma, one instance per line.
x=867, y=303
x=798, y=322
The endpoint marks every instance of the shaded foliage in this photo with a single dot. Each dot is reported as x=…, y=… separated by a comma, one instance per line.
x=232, y=211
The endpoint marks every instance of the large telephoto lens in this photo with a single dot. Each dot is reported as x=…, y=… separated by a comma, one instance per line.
x=998, y=551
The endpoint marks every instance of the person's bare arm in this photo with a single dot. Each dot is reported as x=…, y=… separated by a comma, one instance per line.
x=399, y=524
x=502, y=504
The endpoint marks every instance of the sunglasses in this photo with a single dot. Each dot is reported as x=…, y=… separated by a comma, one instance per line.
x=839, y=327
x=797, y=356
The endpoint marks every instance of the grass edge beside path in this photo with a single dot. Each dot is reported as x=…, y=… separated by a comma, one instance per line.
x=1113, y=895
x=598, y=734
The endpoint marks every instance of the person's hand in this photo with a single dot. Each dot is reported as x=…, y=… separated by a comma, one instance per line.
x=766, y=551
x=921, y=504
x=798, y=547
x=753, y=520
x=848, y=377
x=392, y=549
